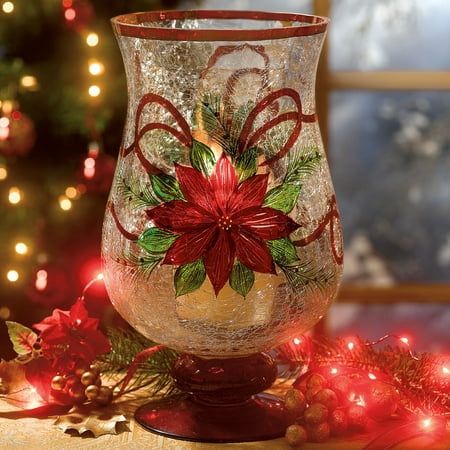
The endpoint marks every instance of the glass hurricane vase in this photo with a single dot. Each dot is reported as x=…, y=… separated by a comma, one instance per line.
x=222, y=236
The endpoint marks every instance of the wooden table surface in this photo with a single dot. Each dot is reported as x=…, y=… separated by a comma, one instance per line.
x=36, y=434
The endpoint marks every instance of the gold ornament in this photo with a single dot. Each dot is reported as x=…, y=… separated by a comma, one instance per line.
x=94, y=369
x=58, y=383
x=105, y=396
x=91, y=392
x=83, y=419
x=88, y=378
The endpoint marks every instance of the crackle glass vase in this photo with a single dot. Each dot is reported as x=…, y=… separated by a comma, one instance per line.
x=222, y=236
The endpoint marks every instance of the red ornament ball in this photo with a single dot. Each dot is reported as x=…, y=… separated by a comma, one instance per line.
x=326, y=397
x=381, y=400
x=357, y=417
x=319, y=433
x=296, y=435
x=315, y=414
x=338, y=422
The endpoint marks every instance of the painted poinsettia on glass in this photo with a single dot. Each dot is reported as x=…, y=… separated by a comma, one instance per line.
x=218, y=220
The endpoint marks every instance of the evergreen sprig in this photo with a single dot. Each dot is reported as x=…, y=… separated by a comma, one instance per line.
x=136, y=192
x=153, y=374
x=306, y=274
x=302, y=164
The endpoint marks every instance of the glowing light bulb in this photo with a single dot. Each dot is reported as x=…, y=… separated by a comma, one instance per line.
x=12, y=276
x=297, y=341
x=96, y=67
x=71, y=192
x=371, y=376
x=351, y=345
x=3, y=173
x=333, y=371
x=89, y=163
x=426, y=423
x=4, y=122
x=41, y=280
x=92, y=39
x=21, y=248
x=445, y=370
x=64, y=203
x=405, y=340
x=8, y=7
x=29, y=82
x=5, y=313
x=14, y=196
x=100, y=276
x=70, y=14
x=94, y=90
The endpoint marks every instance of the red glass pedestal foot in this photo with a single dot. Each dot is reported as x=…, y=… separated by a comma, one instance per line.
x=223, y=404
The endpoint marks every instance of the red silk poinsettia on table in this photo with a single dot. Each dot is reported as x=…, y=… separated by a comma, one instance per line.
x=219, y=220
x=54, y=360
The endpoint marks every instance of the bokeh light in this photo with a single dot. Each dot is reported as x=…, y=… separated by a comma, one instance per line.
x=92, y=39
x=12, y=275
x=21, y=248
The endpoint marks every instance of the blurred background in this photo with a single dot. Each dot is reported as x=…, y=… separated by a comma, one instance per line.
x=384, y=104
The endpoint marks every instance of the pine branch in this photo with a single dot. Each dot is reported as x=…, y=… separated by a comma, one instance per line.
x=136, y=192
x=142, y=265
x=302, y=164
x=306, y=275
x=153, y=374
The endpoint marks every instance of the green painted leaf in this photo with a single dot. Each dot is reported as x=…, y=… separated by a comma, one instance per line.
x=241, y=279
x=246, y=164
x=155, y=240
x=202, y=158
x=22, y=338
x=283, y=197
x=283, y=251
x=189, y=277
x=166, y=187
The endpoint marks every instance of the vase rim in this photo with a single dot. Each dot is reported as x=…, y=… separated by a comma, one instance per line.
x=134, y=25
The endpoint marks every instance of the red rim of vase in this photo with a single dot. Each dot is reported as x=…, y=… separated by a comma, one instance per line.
x=293, y=25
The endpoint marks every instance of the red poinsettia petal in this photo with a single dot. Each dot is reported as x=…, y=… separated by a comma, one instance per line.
x=179, y=216
x=224, y=181
x=58, y=317
x=253, y=252
x=266, y=223
x=249, y=193
x=189, y=246
x=219, y=260
x=196, y=188
x=78, y=312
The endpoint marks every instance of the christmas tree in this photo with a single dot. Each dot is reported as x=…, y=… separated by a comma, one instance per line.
x=62, y=107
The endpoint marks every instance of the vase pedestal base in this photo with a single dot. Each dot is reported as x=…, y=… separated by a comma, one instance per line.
x=224, y=402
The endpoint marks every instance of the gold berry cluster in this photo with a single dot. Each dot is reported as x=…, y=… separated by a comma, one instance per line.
x=318, y=408
x=83, y=385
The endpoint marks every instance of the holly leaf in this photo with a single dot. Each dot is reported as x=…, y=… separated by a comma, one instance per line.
x=155, y=240
x=283, y=197
x=202, y=158
x=241, y=279
x=166, y=187
x=246, y=164
x=189, y=277
x=97, y=421
x=22, y=338
x=283, y=251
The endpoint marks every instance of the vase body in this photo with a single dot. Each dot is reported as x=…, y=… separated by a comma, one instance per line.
x=222, y=235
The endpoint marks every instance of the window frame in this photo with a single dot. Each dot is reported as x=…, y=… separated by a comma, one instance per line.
x=329, y=81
